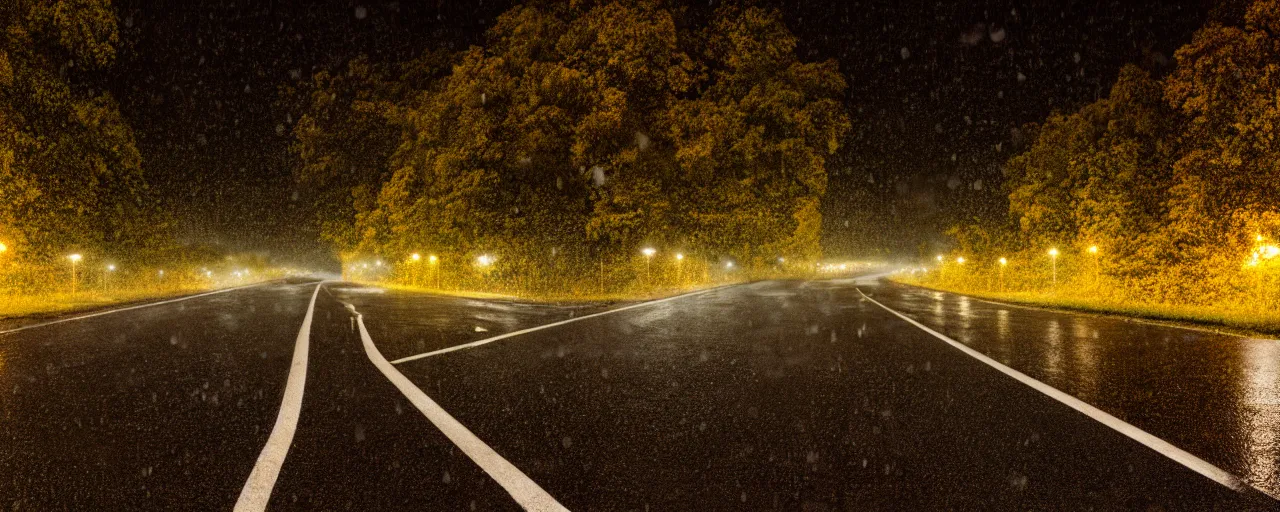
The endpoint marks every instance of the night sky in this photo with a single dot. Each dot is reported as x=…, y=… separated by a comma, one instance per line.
x=937, y=93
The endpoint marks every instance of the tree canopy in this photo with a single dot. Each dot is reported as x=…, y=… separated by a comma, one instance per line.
x=70, y=174
x=1176, y=179
x=582, y=127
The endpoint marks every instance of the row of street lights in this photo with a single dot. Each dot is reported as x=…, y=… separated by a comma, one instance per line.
x=1053, y=262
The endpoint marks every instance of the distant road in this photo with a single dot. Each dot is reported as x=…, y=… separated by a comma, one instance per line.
x=775, y=395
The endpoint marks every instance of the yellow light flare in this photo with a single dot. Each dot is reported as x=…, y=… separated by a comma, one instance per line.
x=1093, y=249
x=1053, y=252
x=1003, y=262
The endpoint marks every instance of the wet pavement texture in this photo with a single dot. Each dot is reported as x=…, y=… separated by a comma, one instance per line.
x=1214, y=395
x=155, y=408
x=772, y=395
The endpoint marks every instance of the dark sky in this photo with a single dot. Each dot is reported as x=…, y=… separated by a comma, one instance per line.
x=937, y=91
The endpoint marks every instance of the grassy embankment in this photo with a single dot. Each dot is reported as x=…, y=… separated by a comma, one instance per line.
x=1221, y=317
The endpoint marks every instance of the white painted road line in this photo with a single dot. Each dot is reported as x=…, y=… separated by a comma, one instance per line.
x=130, y=308
x=1159, y=445
x=526, y=492
x=257, y=490
x=548, y=326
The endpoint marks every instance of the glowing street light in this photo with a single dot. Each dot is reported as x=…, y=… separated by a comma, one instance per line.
x=1004, y=262
x=75, y=258
x=415, y=257
x=1093, y=249
x=3, y=248
x=484, y=260
x=939, y=258
x=433, y=260
x=1053, y=256
x=648, y=257
x=960, y=260
x=680, y=267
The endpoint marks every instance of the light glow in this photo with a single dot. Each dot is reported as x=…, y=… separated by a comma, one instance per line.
x=1003, y=262
x=649, y=251
x=1053, y=252
x=75, y=258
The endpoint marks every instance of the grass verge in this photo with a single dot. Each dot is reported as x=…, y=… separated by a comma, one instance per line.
x=43, y=306
x=554, y=298
x=1217, y=319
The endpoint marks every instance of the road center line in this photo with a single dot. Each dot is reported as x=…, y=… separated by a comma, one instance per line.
x=548, y=326
x=130, y=308
x=527, y=493
x=1159, y=445
x=257, y=490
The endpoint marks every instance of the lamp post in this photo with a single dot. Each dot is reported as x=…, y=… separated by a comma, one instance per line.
x=75, y=259
x=1097, y=269
x=106, y=276
x=680, y=268
x=1053, y=258
x=648, y=257
x=435, y=268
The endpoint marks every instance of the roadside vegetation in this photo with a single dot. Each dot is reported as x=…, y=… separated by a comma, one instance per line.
x=595, y=148
x=1159, y=200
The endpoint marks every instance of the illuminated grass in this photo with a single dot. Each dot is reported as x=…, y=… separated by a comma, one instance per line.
x=554, y=297
x=62, y=303
x=1215, y=317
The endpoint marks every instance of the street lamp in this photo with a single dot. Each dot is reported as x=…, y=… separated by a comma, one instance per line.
x=484, y=260
x=1097, y=269
x=1003, y=263
x=75, y=258
x=648, y=256
x=111, y=267
x=680, y=268
x=1053, y=257
x=433, y=260
x=960, y=260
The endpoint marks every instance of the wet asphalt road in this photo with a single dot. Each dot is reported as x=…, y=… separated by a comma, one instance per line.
x=777, y=395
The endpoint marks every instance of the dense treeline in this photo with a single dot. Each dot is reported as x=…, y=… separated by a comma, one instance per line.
x=1167, y=190
x=582, y=131
x=70, y=174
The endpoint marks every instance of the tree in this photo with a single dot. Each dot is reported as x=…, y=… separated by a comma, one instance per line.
x=592, y=128
x=69, y=169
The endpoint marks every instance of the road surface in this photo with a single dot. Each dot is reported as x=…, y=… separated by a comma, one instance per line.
x=846, y=394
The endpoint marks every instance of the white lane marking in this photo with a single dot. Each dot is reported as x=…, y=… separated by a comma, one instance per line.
x=548, y=326
x=1159, y=445
x=257, y=489
x=130, y=308
x=526, y=492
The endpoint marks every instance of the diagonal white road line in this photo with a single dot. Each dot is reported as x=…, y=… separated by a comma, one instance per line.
x=524, y=490
x=257, y=490
x=1150, y=441
x=548, y=326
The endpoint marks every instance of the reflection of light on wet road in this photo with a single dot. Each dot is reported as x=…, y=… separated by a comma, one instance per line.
x=1053, y=356
x=966, y=314
x=1085, y=350
x=939, y=310
x=1002, y=325
x=1261, y=418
